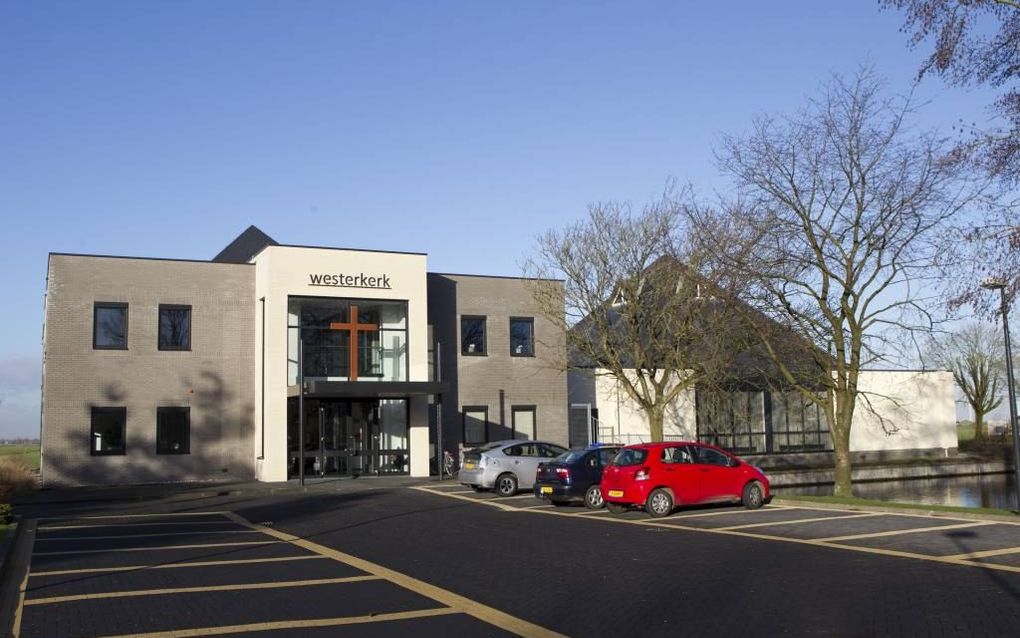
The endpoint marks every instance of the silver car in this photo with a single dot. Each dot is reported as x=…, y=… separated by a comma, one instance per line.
x=508, y=466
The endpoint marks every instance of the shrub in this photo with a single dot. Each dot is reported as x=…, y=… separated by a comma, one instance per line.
x=15, y=475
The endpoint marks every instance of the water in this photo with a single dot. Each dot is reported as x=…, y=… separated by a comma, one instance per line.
x=993, y=490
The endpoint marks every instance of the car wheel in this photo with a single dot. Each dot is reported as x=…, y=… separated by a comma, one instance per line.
x=559, y=503
x=593, y=498
x=506, y=485
x=616, y=508
x=754, y=495
x=659, y=503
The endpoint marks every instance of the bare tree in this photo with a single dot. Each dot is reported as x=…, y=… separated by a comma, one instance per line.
x=834, y=230
x=975, y=355
x=638, y=307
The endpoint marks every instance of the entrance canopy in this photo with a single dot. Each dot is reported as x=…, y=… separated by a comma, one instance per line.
x=318, y=389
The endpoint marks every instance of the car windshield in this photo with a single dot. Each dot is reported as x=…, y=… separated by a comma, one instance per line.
x=630, y=457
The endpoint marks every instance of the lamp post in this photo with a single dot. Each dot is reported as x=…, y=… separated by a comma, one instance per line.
x=1000, y=285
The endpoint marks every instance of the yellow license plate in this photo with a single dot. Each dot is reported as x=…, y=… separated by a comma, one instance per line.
x=546, y=490
x=469, y=466
x=615, y=493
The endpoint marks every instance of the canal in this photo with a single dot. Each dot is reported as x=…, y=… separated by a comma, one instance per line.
x=989, y=490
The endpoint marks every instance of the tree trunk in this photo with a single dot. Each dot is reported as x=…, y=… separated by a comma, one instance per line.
x=656, y=416
x=979, y=426
x=842, y=469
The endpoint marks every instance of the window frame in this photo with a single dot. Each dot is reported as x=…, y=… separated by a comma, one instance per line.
x=510, y=334
x=159, y=326
x=187, y=430
x=514, y=409
x=96, y=306
x=485, y=336
x=122, y=411
x=463, y=423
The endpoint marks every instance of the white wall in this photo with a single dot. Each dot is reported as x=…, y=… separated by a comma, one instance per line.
x=908, y=410
x=622, y=418
x=282, y=271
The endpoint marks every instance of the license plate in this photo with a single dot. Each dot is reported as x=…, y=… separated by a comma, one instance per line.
x=615, y=493
x=546, y=490
x=469, y=466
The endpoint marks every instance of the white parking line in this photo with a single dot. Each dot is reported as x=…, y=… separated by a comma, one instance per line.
x=801, y=520
x=899, y=532
x=116, y=536
x=151, y=549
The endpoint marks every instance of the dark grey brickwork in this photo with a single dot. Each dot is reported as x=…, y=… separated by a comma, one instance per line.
x=477, y=381
x=215, y=378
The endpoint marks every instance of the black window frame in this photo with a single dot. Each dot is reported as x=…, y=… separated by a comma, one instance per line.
x=510, y=326
x=159, y=326
x=463, y=423
x=514, y=409
x=122, y=412
x=484, y=319
x=96, y=306
x=160, y=411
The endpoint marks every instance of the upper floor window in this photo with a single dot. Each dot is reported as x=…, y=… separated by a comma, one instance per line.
x=472, y=335
x=174, y=327
x=522, y=337
x=110, y=326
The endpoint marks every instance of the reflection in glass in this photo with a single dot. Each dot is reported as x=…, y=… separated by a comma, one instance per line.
x=110, y=326
x=174, y=328
x=522, y=337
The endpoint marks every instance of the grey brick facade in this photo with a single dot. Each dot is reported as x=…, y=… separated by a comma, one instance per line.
x=497, y=380
x=215, y=378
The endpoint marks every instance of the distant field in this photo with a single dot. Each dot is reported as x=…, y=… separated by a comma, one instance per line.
x=28, y=453
x=965, y=431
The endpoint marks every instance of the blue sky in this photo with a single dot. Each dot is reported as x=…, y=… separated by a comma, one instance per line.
x=461, y=129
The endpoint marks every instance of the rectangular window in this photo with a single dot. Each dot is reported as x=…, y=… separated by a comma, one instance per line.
x=523, y=419
x=174, y=327
x=173, y=430
x=472, y=335
x=522, y=337
x=108, y=431
x=476, y=420
x=110, y=326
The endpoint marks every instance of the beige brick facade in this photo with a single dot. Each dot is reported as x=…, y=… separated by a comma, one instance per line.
x=215, y=378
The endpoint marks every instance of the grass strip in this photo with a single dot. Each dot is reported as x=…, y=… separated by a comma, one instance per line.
x=865, y=502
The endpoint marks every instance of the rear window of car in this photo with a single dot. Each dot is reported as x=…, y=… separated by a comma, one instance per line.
x=570, y=457
x=630, y=457
x=487, y=447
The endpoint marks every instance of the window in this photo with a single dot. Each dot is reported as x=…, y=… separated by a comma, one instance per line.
x=523, y=421
x=472, y=335
x=173, y=430
x=671, y=455
x=798, y=425
x=110, y=326
x=174, y=327
x=708, y=456
x=550, y=451
x=522, y=337
x=630, y=456
x=476, y=420
x=108, y=425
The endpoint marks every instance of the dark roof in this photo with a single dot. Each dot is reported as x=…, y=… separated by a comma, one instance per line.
x=245, y=246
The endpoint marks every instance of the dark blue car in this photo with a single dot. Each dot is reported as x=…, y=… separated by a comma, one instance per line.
x=575, y=476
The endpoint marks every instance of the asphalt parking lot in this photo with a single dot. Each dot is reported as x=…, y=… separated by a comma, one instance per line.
x=987, y=544
x=214, y=573
x=437, y=558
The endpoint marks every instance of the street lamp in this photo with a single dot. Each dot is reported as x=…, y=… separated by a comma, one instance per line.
x=1000, y=284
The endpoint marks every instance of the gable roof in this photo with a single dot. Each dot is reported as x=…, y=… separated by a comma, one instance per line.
x=245, y=246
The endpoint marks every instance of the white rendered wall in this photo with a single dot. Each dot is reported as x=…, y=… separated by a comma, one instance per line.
x=283, y=271
x=620, y=415
x=909, y=410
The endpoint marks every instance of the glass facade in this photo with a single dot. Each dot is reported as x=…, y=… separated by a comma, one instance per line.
x=761, y=422
x=376, y=330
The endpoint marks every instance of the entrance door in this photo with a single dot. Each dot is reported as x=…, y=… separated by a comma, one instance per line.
x=340, y=438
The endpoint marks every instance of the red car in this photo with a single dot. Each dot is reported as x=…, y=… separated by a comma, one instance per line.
x=662, y=476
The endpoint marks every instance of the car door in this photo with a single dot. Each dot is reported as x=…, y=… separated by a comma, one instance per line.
x=681, y=474
x=526, y=464
x=718, y=478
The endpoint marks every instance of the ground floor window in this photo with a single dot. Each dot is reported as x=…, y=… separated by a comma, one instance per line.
x=173, y=430
x=761, y=422
x=523, y=419
x=108, y=431
x=348, y=438
x=476, y=424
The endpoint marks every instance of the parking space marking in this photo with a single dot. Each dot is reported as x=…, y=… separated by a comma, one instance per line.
x=104, y=538
x=589, y=512
x=801, y=520
x=131, y=516
x=192, y=590
x=897, y=532
x=457, y=602
x=204, y=563
x=154, y=548
x=505, y=508
x=29, y=530
x=47, y=528
x=986, y=553
x=294, y=624
x=742, y=510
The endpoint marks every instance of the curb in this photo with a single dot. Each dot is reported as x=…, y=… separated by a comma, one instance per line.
x=10, y=581
x=778, y=500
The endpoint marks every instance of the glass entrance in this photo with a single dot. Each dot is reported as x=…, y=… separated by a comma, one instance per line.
x=347, y=438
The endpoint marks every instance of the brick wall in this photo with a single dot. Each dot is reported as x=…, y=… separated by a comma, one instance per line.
x=215, y=378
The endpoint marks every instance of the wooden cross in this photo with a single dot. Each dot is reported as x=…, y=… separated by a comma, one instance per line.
x=353, y=328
